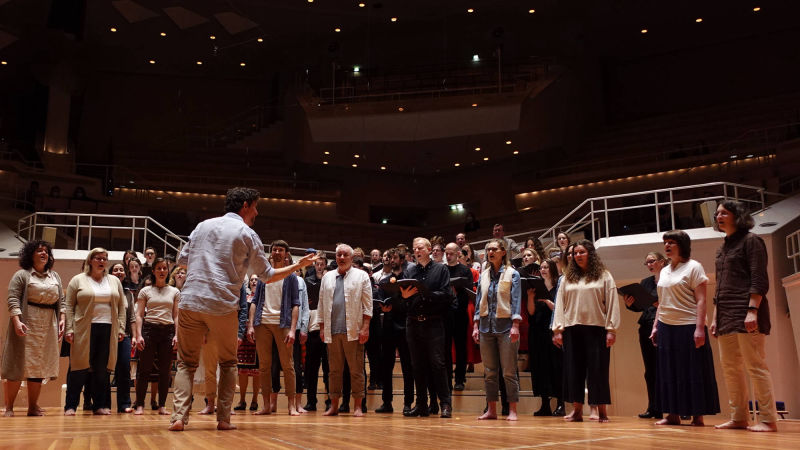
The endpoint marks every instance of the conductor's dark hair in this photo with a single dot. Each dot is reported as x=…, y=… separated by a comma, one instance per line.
x=238, y=196
x=744, y=221
x=27, y=251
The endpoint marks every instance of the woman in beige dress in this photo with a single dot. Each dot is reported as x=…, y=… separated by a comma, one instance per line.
x=36, y=324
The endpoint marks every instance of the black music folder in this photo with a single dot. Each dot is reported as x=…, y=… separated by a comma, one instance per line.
x=642, y=299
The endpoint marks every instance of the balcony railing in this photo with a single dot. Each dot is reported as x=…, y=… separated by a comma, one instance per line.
x=793, y=249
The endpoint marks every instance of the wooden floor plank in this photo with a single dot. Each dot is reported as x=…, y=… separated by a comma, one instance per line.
x=312, y=431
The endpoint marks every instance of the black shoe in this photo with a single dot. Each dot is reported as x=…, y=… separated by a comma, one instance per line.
x=459, y=387
x=380, y=385
x=433, y=408
x=417, y=411
x=310, y=407
x=543, y=412
x=241, y=406
x=406, y=409
x=447, y=411
x=504, y=411
x=154, y=405
x=385, y=408
x=372, y=386
x=254, y=406
x=344, y=408
x=559, y=412
x=650, y=415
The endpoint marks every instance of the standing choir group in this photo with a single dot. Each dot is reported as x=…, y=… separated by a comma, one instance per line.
x=423, y=308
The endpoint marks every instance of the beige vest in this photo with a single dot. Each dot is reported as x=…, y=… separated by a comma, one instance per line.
x=503, y=294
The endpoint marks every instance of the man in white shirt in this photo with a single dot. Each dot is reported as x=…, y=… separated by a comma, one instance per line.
x=345, y=310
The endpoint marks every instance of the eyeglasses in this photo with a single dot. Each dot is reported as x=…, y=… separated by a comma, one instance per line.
x=650, y=261
x=99, y=258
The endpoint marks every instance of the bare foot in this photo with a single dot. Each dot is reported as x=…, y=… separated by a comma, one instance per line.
x=224, y=426
x=33, y=412
x=574, y=418
x=603, y=419
x=262, y=412
x=697, y=421
x=301, y=410
x=162, y=411
x=331, y=412
x=512, y=415
x=176, y=426
x=671, y=419
x=732, y=425
x=69, y=412
x=102, y=412
x=488, y=416
x=10, y=413
x=293, y=412
x=594, y=412
x=138, y=411
x=358, y=413
x=209, y=409
x=763, y=427
x=127, y=410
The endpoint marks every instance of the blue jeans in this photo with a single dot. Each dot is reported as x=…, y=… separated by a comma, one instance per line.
x=497, y=351
x=122, y=373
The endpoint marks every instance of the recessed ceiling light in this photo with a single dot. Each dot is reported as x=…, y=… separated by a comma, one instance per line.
x=163, y=34
x=356, y=156
x=260, y=39
x=644, y=30
x=199, y=63
x=470, y=10
x=112, y=29
x=516, y=152
x=394, y=19
x=401, y=109
x=757, y=9
x=383, y=167
x=327, y=153
x=152, y=61
x=474, y=105
x=310, y=1
x=242, y=64
x=361, y=5
x=531, y=11
x=212, y=37
x=5, y=63
x=477, y=149
x=337, y=29
x=486, y=158
x=508, y=142
x=325, y=162
x=355, y=165
x=698, y=20
x=457, y=164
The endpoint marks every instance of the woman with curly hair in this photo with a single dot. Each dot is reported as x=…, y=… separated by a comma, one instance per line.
x=585, y=323
x=36, y=324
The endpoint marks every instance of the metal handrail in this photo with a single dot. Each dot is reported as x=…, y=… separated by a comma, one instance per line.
x=793, y=249
x=28, y=226
x=599, y=209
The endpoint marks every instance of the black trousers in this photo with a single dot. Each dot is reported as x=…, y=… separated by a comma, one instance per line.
x=373, y=347
x=157, y=342
x=426, y=346
x=460, y=327
x=650, y=359
x=586, y=361
x=315, y=354
x=97, y=374
x=122, y=373
x=449, y=320
x=394, y=339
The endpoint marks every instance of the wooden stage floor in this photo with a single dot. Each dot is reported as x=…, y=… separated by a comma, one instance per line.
x=149, y=431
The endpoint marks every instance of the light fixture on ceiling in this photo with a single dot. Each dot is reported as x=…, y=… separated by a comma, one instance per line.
x=757, y=9
x=337, y=30
x=242, y=64
x=260, y=39
x=212, y=37
x=163, y=34
x=516, y=152
x=698, y=20
x=644, y=30
x=4, y=63
x=383, y=167
x=355, y=165
x=401, y=109
x=356, y=156
x=361, y=5
x=327, y=153
x=457, y=164
x=384, y=221
x=393, y=19
x=152, y=61
x=531, y=11
x=474, y=105
x=477, y=149
x=486, y=158
x=325, y=162
x=112, y=29
x=470, y=10
x=508, y=142
x=199, y=63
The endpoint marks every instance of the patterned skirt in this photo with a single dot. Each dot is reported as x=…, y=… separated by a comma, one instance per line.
x=248, y=358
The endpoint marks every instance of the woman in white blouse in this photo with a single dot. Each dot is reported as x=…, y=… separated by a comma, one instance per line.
x=686, y=384
x=585, y=323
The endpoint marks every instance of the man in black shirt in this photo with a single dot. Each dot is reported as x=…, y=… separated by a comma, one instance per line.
x=393, y=336
x=315, y=348
x=460, y=321
x=425, y=327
